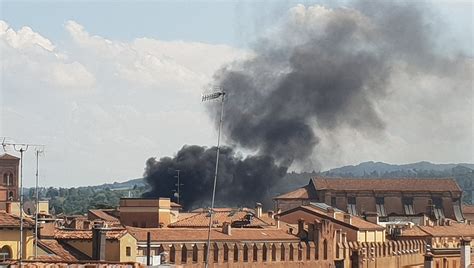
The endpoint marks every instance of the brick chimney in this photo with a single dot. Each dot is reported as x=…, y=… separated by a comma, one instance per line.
x=270, y=214
x=258, y=210
x=372, y=217
x=226, y=228
x=428, y=260
x=331, y=212
x=465, y=252
x=348, y=218
x=277, y=221
x=302, y=234
x=98, y=242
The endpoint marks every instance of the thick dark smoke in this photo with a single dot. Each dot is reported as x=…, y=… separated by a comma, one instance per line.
x=322, y=70
x=242, y=181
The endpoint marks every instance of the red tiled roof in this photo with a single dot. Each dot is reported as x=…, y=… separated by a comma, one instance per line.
x=72, y=234
x=194, y=234
x=389, y=184
x=301, y=193
x=101, y=214
x=452, y=230
x=13, y=221
x=414, y=231
x=468, y=209
x=356, y=221
x=60, y=251
x=220, y=216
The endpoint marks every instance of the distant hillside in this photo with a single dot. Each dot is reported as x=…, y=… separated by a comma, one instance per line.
x=366, y=168
x=126, y=185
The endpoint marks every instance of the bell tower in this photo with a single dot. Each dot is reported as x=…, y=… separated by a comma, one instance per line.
x=8, y=178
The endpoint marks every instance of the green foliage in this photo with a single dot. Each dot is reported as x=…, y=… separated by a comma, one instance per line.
x=79, y=200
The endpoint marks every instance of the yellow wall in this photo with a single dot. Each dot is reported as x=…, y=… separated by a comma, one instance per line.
x=11, y=238
x=128, y=241
x=370, y=236
x=115, y=250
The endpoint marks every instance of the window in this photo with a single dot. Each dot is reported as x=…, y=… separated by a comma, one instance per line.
x=5, y=253
x=128, y=251
x=408, y=205
x=457, y=209
x=333, y=201
x=438, y=208
x=380, y=206
x=325, y=249
x=351, y=205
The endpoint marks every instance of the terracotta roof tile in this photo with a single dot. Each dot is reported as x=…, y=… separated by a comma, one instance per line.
x=388, y=184
x=195, y=234
x=60, y=251
x=101, y=214
x=72, y=234
x=453, y=230
x=220, y=216
x=468, y=209
x=9, y=220
x=415, y=231
x=301, y=193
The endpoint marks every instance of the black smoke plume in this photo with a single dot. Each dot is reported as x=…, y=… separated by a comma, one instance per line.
x=321, y=70
x=243, y=181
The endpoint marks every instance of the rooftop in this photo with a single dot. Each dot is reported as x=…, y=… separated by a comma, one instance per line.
x=6, y=156
x=467, y=209
x=73, y=234
x=12, y=221
x=60, y=251
x=200, y=234
x=301, y=193
x=220, y=216
x=103, y=215
x=388, y=184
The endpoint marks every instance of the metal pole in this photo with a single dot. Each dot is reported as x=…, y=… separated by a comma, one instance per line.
x=179, y=194
x=21, y=205
x=37, y=204
x=211, y=211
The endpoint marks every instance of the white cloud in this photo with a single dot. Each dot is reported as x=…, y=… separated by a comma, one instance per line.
x=102, y=107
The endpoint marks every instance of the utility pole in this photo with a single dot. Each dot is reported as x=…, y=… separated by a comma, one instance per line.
x=38, y=151
x=21, y=148
x=218, y=94
x=177, y=193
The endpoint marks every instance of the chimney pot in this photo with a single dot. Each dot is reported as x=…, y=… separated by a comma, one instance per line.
x=277, y=221
x=258, y=210
x=348, y=218
x=270, y=214
x=226, y=228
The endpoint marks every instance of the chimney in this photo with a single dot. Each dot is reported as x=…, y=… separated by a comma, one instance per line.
x=9, y=207
x=372, y=217
x=428, y=260
x=465, y=252
x=331, y=212
x=277, y=221
x=348, y=218
x=302, y=234
x=270, y=214
x=226, y=228
x=258, y=210
x=98, y=242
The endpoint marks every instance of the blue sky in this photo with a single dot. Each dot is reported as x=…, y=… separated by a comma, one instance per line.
x=111, y=83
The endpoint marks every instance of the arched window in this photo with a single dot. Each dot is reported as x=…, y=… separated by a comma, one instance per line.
x=10, y=179
x=5, y=253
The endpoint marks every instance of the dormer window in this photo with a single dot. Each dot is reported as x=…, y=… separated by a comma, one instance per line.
x=351, y=205
x=408, y=206
x=380, y=206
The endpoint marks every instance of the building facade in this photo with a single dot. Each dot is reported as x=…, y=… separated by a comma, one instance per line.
x=436, y=198
x=9, y=173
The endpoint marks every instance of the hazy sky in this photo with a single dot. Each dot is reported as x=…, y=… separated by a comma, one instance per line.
x=106, y=85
